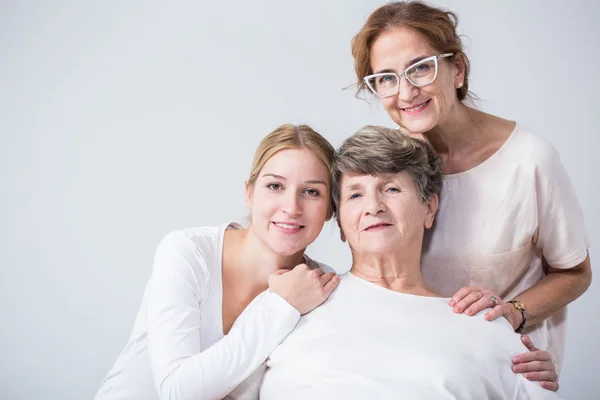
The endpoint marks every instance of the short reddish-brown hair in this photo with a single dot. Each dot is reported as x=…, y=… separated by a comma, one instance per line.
x=437, y=26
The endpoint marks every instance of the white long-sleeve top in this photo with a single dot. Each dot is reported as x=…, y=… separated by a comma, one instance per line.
x=177, y=349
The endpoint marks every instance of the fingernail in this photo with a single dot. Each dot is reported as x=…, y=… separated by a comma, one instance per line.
x=527, y=376
x=452, y=303
x=487, y=316
x=515, y=360
x=457, y=309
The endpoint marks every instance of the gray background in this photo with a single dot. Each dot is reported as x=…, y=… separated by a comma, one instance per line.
x=122, y=121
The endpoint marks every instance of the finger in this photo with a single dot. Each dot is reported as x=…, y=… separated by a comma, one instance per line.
x=502, y=310
x=481, y=304
x=537, y=355
x=302, y=267
x=467, y=301
x=533, y=366
x=332, y=284
x=528, y=343
x=490, y=293
x=541, y=376
x=553, y=386
x=318, y=272
x=281, y=271
x=326, y=278
x=461, y=294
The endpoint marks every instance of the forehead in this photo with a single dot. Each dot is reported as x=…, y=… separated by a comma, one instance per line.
x=351, y=180
x=296, y=163
x=395, y=49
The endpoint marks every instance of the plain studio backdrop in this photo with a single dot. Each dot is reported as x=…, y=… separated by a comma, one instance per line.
x=122, y=121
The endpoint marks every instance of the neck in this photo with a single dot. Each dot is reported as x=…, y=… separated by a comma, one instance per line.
x=257, y=261
x=457, y=133
x=399, y=272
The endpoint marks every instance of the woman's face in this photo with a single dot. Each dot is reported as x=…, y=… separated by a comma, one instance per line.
x=416, y=109
x=290, y=200
x=383, y=214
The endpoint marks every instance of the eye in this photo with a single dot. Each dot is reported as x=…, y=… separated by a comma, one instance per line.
x=275, y=186
x=386, y=80
x=422, y=68
x=312, y=192
x=393, y=190
x=354, y=196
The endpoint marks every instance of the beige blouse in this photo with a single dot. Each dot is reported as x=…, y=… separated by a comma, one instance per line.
x=497, y=223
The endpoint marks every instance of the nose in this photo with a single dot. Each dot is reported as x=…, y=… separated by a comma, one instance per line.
x=406, y=91
x=291, y=205
x=374, y=204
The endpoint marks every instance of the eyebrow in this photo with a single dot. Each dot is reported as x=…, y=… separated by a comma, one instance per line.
x=355, y=186
x=408, y=64
x=283, y=178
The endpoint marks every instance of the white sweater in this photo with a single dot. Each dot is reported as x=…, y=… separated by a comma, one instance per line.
x=367, y=342
x=177, y=349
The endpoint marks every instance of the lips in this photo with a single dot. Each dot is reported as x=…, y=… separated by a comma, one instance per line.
x=288, y=225
x=377, y=225
x=416, y=107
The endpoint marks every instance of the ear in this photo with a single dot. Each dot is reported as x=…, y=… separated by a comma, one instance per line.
x=329, y=213
x=342, y=236
x=459, y=65
x=432, y=207
x=249, y=192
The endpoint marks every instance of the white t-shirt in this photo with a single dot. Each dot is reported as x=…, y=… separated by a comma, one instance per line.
x=177, y=347
x=496, y=221
x=367, y=342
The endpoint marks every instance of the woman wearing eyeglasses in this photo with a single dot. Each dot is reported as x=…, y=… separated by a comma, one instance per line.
x=510, y=231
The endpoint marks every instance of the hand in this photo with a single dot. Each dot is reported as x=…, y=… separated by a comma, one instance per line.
x=536, y=365
x=302, y=287
x=473, y=299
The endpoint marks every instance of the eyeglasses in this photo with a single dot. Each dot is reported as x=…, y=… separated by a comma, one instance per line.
x=421, y=73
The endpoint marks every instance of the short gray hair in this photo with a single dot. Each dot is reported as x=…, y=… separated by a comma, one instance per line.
x=376, y=150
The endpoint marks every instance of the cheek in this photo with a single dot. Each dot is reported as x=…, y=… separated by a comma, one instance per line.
x=263, y=207
x=389, y=105
x=316, y=210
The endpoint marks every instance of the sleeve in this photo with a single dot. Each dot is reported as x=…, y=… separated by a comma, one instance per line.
x=532, y=390
x=179, y=368
x=561, y=232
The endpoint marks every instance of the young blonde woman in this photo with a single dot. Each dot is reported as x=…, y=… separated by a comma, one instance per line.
x=221, y=298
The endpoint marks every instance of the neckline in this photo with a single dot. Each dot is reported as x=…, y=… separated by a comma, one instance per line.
x=391, y=292
x=489, y=159
x=220, y=249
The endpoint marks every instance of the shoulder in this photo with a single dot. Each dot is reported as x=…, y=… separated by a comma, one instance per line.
x=199, y=239
x=189, y=250
x=317, y=264
x=531, y=148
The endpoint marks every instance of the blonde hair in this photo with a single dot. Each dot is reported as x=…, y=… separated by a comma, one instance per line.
x=290, y=136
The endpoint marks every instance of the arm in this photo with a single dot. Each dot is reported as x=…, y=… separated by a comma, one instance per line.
x=179, y=367
x=563, y=242
x=552, y=292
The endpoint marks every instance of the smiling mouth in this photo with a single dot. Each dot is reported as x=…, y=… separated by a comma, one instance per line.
x=377, y=226
x=284, y=225
x=418, y=107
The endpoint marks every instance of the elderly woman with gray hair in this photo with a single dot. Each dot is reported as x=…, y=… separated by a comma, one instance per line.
x=384, y=332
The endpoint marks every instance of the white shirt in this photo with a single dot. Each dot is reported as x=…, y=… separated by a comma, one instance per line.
x=177, y=349
x=367, y=342
x=496, y=221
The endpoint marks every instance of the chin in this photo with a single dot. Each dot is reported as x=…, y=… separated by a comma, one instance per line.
x=418, y=126
x=286, y=250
